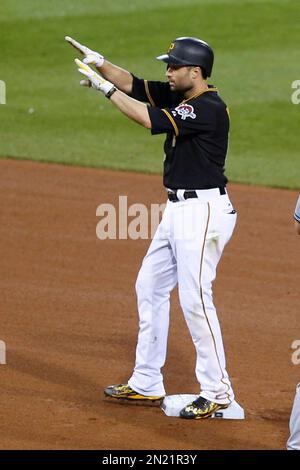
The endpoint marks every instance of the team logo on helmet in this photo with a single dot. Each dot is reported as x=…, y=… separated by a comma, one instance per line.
x=185, y=111
x=171, y=46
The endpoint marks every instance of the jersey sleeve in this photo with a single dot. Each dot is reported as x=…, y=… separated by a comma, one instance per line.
x=153, y=92
x=183, y=119
x=297, y=211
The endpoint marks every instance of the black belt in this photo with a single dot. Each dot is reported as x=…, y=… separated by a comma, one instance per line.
x=172, y=195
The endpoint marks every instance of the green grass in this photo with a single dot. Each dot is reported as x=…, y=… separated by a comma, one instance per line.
x=256, y=45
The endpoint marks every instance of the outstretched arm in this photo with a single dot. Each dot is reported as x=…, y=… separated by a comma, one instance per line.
x=132, y=108
x=113, y=73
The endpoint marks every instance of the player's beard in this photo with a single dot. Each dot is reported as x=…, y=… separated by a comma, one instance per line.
x=180, y=88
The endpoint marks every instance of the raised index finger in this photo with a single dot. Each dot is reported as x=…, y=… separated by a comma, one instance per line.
x=77, y=45
x=83, y=66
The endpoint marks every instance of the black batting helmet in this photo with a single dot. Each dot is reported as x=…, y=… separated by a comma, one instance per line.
x=189, y=51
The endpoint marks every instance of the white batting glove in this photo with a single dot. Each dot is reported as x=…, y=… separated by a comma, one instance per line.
x=94, y=79
x=91, y=57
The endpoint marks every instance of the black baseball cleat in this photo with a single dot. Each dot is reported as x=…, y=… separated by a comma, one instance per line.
x=201, y=409
x=125, y=392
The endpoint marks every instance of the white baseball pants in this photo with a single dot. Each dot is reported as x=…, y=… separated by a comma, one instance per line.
x=294, y=440
x=185, y=250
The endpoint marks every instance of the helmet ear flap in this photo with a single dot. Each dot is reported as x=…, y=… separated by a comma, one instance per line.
x=204, y=74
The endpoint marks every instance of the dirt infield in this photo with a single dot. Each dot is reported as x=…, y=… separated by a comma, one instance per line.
x=69, y=319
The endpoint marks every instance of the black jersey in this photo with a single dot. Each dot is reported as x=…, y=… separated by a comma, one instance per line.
x=197, y=134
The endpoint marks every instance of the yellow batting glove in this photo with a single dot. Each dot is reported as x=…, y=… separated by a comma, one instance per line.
x=94, y=79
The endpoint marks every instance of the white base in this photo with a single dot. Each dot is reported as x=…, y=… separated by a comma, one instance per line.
x=173, y=404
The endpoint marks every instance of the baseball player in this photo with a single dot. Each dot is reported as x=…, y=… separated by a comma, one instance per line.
x=293, y=442
x=198, y=221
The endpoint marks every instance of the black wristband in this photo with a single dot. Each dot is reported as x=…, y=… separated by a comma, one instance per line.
x=111, y=92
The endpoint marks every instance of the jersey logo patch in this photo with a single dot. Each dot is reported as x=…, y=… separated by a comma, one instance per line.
x=185, y=111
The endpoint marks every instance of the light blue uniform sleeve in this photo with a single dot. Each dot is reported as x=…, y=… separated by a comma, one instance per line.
x=294, y=440
x=297, y=211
